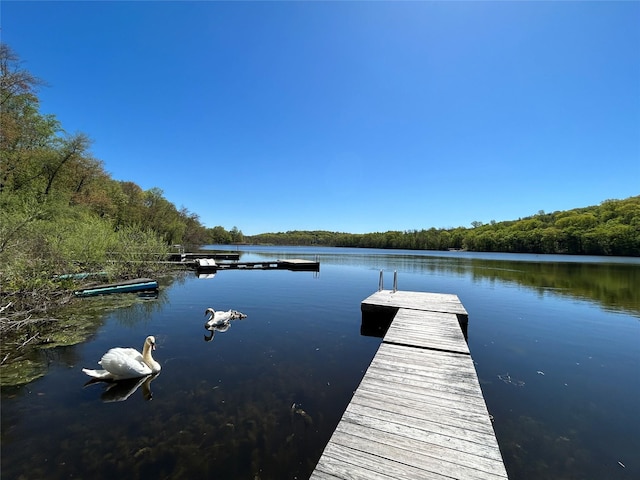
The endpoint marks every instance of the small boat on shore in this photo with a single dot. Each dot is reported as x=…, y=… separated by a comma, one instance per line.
x=134, y=285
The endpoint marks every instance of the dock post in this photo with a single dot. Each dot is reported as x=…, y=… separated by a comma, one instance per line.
x=395, y=281
x=381, y=282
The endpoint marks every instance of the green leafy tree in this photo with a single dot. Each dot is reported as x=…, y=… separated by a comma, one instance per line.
x=236, y=235
x=218, y=235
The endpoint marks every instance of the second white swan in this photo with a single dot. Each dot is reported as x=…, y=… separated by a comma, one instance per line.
x=219, y=319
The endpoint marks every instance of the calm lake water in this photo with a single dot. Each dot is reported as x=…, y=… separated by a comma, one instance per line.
x=555, y=340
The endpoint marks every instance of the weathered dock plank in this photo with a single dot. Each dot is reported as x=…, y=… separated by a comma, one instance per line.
x=418, y=412
x=435, y=330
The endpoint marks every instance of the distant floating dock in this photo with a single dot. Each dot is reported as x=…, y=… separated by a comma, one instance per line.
x=419, y=412
x=206, y=265
x=185, y=257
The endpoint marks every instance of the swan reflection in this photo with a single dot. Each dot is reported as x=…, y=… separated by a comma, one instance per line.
x=121, y=390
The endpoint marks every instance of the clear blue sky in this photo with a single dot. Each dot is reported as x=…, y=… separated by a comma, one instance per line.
x=347, y=116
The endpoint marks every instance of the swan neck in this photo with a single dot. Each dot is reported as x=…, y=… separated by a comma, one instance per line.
x=146, y=354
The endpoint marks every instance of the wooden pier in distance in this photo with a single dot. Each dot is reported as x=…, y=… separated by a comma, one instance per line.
x=419, y=412
x=185, y=257
x=294, y=264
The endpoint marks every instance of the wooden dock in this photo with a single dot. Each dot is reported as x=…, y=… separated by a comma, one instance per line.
x=299, y=265
x=419, y=412
x=185, y=257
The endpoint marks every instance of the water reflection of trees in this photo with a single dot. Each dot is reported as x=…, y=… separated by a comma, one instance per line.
x=613, y=285
x=141, y=310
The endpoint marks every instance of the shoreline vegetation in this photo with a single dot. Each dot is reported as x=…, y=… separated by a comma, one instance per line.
x=61, y=215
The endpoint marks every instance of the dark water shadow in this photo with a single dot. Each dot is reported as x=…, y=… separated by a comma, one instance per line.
x=376, y=321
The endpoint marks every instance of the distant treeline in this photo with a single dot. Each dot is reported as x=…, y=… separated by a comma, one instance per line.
x=611, y=228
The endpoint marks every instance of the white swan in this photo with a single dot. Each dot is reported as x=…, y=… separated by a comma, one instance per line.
x=121, y=363
x=220, y=319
